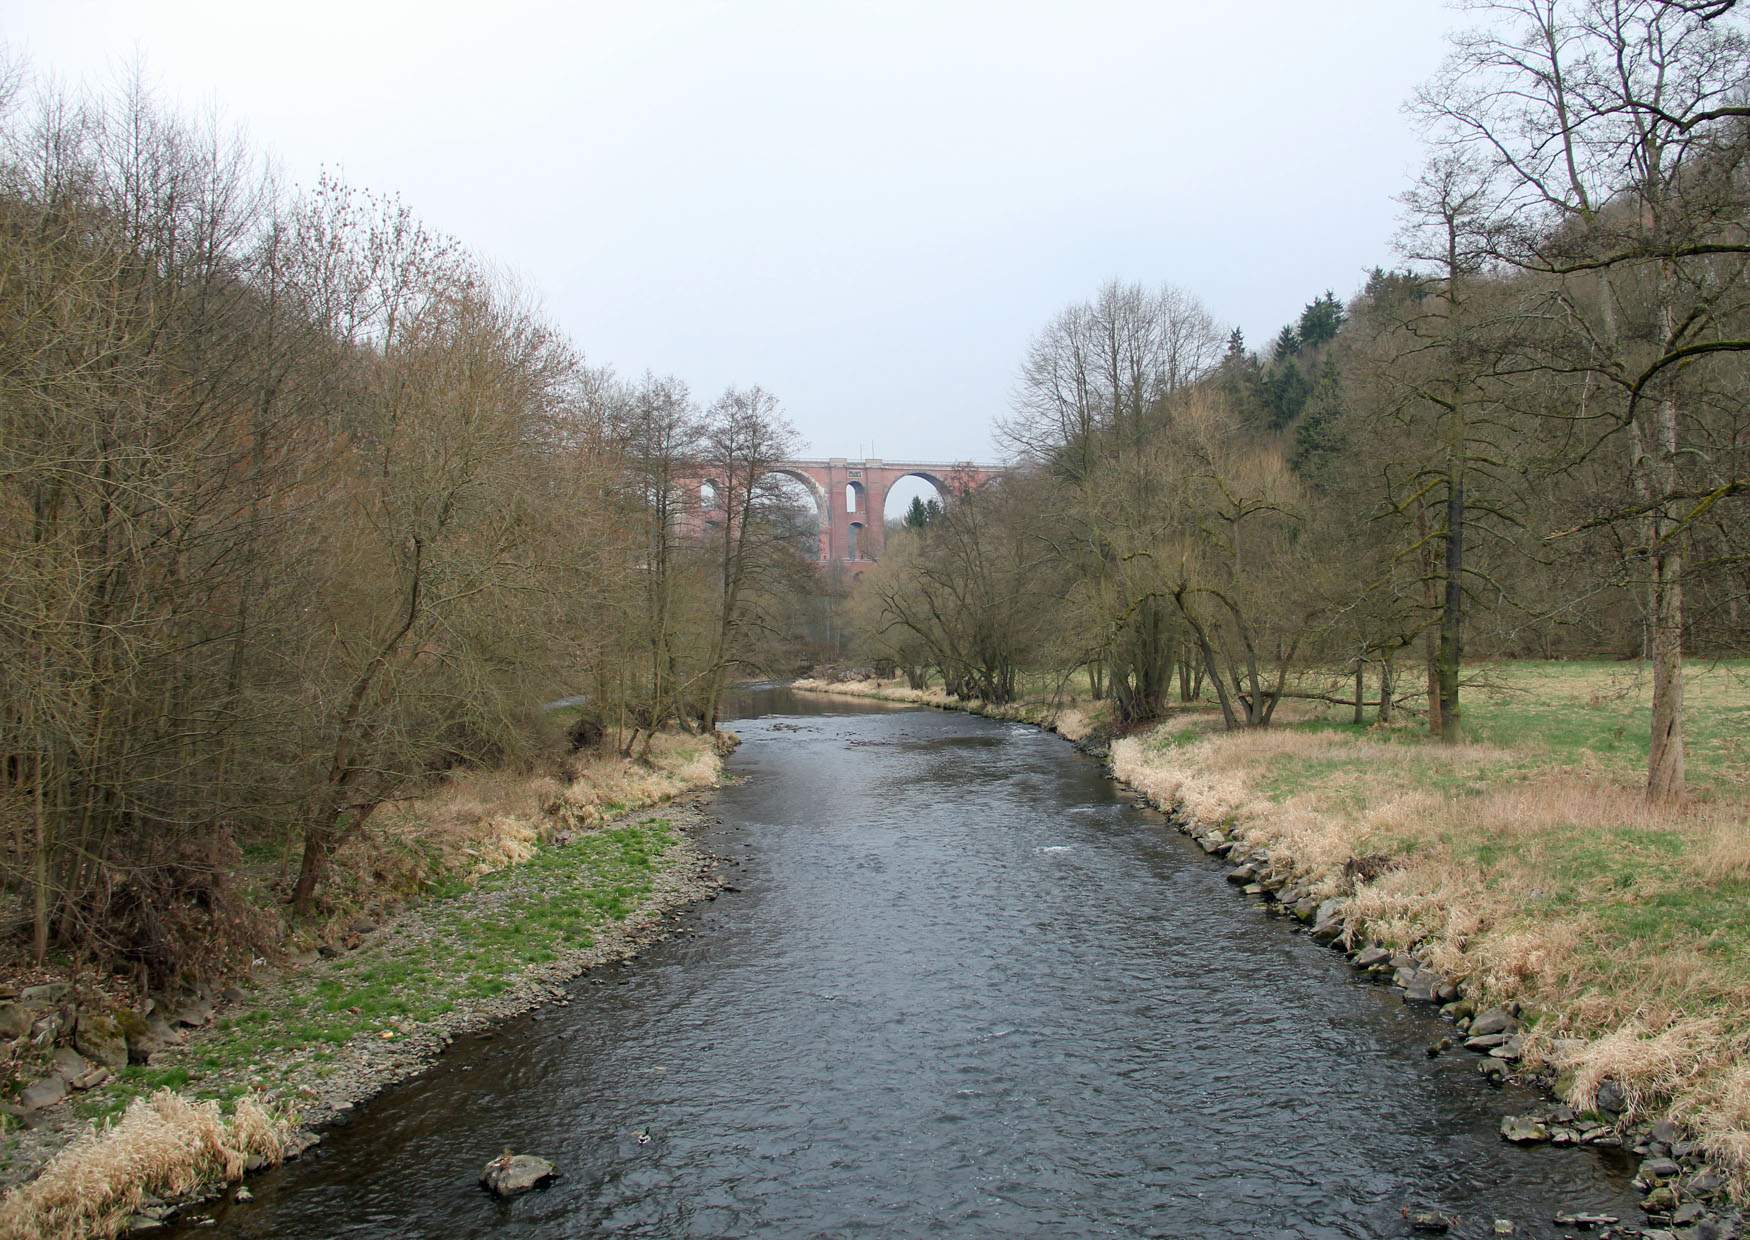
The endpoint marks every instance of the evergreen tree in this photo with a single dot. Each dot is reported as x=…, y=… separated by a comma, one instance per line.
x=1391, y=289
x=1242, y=381
x=1318, y=438
x=921, y=514
x=1285, y=392
x=1320, y=321
x=1287, y=343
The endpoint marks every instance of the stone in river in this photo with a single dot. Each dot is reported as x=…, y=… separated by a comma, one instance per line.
x=1708, y=1182
x=510, y=1174
x=1655, y=1169
x=1523, y=1130
x=1687, y=1214
x=1661, y=1199
x=1421, y=987
x=1328, y=920
x=1495, y=1020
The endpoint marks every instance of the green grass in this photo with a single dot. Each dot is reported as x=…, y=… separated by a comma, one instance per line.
x=132, y=1082
x=1597, y=713
x=1603, y=711
x=1630, y=885
x=514, y=919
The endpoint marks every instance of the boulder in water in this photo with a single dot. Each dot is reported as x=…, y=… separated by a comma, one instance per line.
x=510, y=1174
x=1494, y=1021
x=1429, y=1222
x=1523, y=1130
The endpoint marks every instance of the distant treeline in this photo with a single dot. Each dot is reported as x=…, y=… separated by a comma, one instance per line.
x=1530, y=435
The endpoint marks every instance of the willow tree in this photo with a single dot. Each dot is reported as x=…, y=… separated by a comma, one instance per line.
x=963, y=589
x=1237, y=568
x=1096, y=387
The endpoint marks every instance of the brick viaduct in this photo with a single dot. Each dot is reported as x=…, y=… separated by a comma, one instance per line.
x=852, y=496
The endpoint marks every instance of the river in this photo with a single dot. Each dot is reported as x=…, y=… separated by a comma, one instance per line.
x=965, y=988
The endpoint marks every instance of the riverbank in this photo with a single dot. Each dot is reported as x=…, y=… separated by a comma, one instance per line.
x=541, y=880
x=1523, y=869
x=1075, y=719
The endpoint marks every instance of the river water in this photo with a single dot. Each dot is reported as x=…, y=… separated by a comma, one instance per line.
x=966, y=988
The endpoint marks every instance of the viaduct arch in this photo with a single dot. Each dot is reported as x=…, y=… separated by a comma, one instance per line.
x=851, y=497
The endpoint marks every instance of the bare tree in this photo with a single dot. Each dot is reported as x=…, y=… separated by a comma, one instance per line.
x=1601, y=121
x=745, y=436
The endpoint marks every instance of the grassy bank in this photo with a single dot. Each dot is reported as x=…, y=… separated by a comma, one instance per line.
x=531, y=881
x=1525, y=862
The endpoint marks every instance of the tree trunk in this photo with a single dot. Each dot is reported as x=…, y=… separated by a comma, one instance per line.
x=39, y=939
x=310, y=869
x=1430, y=636
x=1665, y=775
x=1451, y=655
x=1229, y=720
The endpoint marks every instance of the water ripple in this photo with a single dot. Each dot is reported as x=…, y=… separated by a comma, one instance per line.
x=966, y=990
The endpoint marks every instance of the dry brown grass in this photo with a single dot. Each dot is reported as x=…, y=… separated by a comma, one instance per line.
x=164, y=1145
x=1536, y=875
x=604, y=784
x=476, y=822
x=885, y=690
x=1070, y=718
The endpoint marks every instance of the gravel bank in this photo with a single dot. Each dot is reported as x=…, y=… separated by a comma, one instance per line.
x=310, y=1081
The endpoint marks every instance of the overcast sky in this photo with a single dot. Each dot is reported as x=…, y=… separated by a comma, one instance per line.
x=869, y=208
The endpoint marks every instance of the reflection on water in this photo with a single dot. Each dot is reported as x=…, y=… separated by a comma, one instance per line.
x=766, y=701
x=964, y=989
